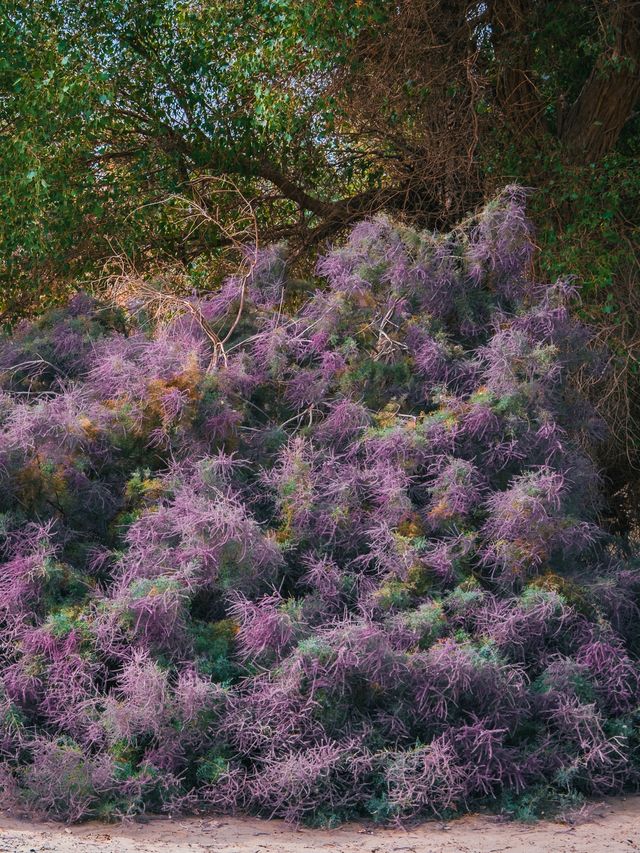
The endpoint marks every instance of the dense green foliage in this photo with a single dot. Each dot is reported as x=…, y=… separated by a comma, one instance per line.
x=321, y=111
x=111, y=108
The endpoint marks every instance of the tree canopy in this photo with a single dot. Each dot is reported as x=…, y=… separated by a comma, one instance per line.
x=322, y=113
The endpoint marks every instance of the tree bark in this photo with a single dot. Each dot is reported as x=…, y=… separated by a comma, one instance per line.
x=607, y=99
x=516, y=91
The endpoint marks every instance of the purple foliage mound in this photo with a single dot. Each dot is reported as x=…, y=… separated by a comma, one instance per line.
x=338, y=560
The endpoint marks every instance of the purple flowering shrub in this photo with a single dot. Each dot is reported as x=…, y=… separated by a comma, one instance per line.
x=346, y=561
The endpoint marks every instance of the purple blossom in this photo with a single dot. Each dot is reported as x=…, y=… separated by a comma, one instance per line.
x=351, y=565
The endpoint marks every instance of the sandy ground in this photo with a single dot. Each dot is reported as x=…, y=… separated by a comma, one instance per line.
x=606, y=827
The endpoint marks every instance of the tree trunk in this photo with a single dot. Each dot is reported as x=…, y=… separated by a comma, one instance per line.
x=607, y=100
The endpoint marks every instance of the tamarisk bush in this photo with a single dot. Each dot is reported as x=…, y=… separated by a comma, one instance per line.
x=341, y=559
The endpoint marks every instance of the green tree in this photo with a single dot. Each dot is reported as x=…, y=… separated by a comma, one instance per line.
x=112, y=110
x=320, y=112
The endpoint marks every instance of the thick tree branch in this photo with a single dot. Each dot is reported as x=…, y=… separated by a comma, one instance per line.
x=289, y=189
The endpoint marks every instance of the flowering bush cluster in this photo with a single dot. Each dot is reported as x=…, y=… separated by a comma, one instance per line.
x=316, y=563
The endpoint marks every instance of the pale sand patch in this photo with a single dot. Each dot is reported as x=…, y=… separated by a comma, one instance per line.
x=612, y=826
